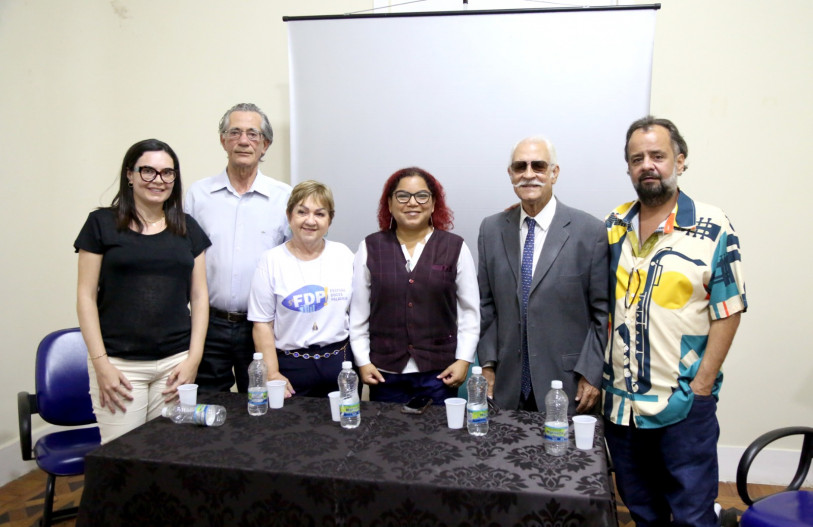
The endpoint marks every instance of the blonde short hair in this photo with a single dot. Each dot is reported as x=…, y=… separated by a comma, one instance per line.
x=306, y=189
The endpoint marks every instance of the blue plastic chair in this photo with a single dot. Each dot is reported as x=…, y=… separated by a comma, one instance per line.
x=789, y=508
x=62, y=398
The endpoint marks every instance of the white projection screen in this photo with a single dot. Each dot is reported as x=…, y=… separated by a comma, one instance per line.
x=452, y=93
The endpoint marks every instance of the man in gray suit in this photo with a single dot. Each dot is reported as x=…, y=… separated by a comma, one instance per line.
x=553, y=324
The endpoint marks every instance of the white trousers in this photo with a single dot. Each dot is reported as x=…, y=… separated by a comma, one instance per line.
x=149, y=379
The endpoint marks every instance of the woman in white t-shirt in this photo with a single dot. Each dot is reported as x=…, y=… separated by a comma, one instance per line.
x=300, y=296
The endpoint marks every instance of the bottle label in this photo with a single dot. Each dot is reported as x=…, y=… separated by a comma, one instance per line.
x=478, y=416
x=257, y=396
x=201, y=417
x=350, y=408
x=556, y=432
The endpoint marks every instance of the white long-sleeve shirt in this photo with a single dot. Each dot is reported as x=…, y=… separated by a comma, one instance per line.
x=468, y=305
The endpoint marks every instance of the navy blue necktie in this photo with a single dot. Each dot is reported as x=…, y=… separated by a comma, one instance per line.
x=527, y=277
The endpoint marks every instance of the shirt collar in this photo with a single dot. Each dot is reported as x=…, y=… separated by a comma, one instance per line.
x=685, y=212
x=261, y=185
x=682, y=217
x=545, y=216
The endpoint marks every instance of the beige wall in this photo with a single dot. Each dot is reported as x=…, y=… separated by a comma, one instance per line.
x=84, y=80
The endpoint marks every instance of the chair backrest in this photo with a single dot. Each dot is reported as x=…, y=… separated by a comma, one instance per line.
x=61, y=378
x=756, y=446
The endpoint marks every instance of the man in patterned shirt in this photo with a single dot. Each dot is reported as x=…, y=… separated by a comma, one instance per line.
x=676, y=295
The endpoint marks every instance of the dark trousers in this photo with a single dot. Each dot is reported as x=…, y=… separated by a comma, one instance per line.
x=401, y=387
x=314, y=377
x=227, y=352
x=669, y=475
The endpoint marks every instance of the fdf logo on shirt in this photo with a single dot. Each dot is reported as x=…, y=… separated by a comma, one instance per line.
x=306, y=299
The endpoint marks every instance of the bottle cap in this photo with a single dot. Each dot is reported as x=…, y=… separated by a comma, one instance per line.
x=258, y=356
x=556, y=385
x=347, y=365
x=165, y=411
x=477, y=370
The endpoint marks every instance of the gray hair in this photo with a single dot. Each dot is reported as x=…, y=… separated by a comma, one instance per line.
x=248, y=107
x=537, y=139
x=679, y=145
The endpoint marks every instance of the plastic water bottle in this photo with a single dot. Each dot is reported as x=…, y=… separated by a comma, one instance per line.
x=477, y=404
x=556, y=427
x=257, y=389
x=349, y=407
x=200, y=414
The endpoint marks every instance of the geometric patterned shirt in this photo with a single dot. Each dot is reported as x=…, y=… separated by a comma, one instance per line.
x=663, y=298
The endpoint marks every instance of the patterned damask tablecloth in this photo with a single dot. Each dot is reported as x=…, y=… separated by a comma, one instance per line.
x=296, y=467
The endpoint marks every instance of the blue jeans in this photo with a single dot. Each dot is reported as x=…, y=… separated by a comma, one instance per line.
x=401, y=387
x=227, y=352
x=669, y=475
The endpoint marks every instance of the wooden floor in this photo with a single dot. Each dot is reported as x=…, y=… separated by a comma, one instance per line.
x=21, y=500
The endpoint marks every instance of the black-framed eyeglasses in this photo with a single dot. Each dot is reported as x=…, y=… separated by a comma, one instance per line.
x=422, y=197
x=630, y=300
x=538, y=167
x=148, y=174
x=252, y=134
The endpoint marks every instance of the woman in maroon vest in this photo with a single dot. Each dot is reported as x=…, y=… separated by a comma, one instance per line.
x=414, y=315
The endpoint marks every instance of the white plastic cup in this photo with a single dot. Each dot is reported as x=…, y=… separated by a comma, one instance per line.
x=584, y=427
x=455, y=411
x=335, y=401
x=188, y=394
x=276, y=393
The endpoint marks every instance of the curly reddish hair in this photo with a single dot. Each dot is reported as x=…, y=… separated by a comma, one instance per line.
x=443, y=216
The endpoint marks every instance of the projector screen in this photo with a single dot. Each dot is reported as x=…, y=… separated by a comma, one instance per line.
x=453, y=93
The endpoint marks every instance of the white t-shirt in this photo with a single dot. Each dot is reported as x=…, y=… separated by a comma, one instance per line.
x=307, y=300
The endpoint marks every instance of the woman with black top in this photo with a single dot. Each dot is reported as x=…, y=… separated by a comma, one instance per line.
x=141, y=268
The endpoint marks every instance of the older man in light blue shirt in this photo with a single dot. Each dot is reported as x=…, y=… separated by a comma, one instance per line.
x=243, y=213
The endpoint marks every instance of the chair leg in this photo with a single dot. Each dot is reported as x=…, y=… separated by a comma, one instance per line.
x=49, y=516
x=48, y=506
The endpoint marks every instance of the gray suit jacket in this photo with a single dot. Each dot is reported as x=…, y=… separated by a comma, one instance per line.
x=567, y=305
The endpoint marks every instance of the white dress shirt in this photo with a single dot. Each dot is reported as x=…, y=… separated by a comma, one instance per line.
x=543, y=220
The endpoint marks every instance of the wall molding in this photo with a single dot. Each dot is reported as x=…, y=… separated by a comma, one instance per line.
x=773, y=466
x=12, y=465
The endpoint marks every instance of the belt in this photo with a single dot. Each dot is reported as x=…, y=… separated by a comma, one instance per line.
x=318, y=352
x=226, y=315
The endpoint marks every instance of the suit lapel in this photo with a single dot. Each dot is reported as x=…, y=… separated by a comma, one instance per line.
x=554, y=241
x=509, y=230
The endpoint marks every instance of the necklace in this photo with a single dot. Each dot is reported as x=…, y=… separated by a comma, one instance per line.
x=151, y=222
x=295, y=250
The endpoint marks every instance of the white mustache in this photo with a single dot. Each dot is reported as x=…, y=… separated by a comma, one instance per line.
x=529, y=184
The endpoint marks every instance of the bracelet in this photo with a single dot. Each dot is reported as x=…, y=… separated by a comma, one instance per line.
x=98, y=356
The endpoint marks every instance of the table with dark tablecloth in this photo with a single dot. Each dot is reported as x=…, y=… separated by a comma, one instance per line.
x=294, y=466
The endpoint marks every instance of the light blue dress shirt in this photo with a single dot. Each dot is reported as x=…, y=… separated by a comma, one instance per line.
x=241, y=228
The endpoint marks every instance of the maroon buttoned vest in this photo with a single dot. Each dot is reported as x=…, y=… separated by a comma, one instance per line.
x=413, y=314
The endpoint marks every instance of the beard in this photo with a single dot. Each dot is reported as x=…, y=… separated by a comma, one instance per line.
x=655, y=195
